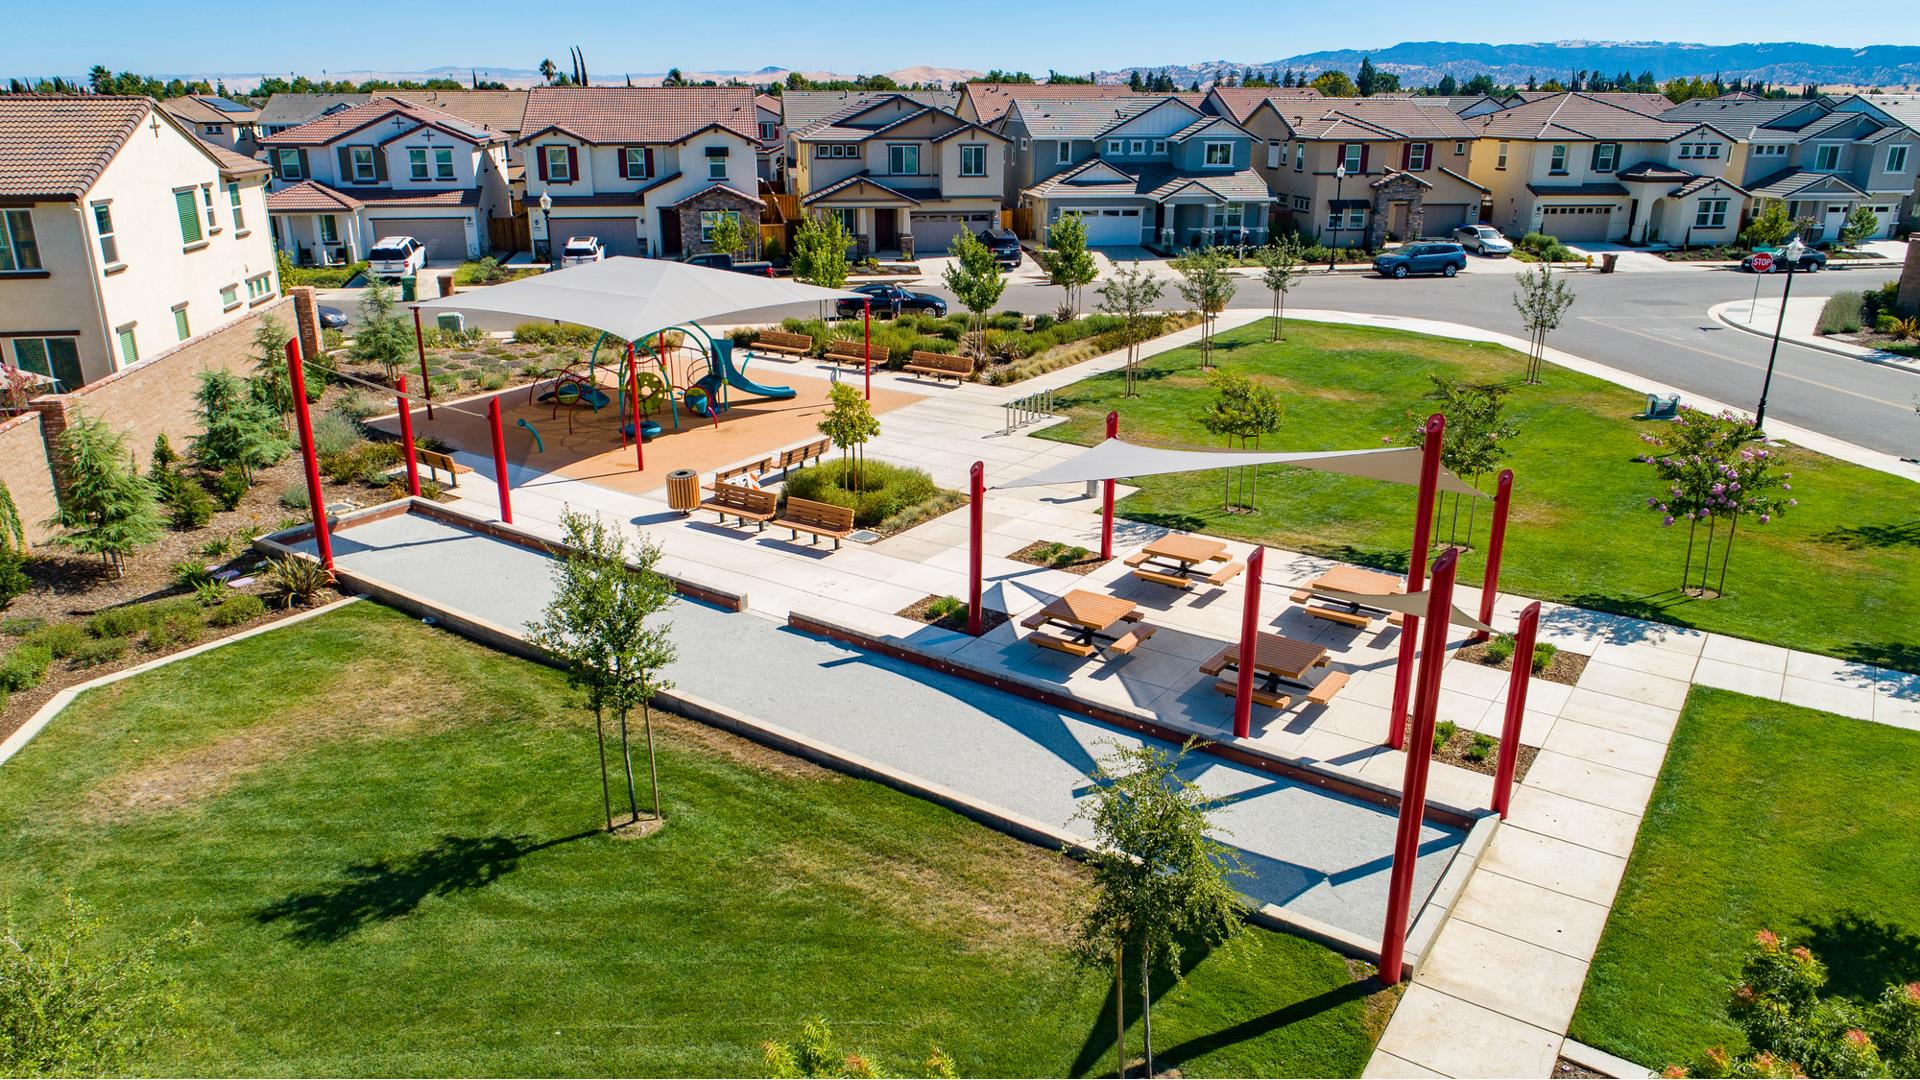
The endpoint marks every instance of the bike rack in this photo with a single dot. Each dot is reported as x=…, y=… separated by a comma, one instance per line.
x=1030, y=409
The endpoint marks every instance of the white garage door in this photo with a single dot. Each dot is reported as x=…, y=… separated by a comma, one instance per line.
x=933, y=233
x=445, y=238
x=1889, y=217
x=1443, y=218
x=617, y=235
x=1572, y=223
x=1108, y=227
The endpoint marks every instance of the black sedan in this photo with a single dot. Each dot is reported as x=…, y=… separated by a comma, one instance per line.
x=891, y=300
x=1810, y=261
x=332, y=318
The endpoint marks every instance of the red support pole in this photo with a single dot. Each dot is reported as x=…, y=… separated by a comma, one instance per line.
x=633, y=389
x=1422, y=534
x=316, y=500
x=406, y=439
x=976, y=537
x=420, y=346
x=1413, y=785
x=866, y=329
x=500, y=460
x=1249, y=634
x=1517, y=684
x=1496, y=543
x=1106, y=496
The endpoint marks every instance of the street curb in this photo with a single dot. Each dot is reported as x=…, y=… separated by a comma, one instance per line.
x=1718, y=313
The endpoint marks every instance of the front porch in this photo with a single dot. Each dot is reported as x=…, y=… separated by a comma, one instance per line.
x=314, y=239
x=1189, y=222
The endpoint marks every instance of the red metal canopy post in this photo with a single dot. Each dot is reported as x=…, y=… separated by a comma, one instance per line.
x=1249, y=635
x=1517, y=683
x=500, y=459
x=316, y=500
x=1413, y=785
x=1436, y=431
x=1106, y=496
x=406, y=438
x=976, y=536
x=1496, y=543
x=420, y=347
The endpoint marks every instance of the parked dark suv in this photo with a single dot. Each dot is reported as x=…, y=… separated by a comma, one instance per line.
x=890, y=300
x=1442, y=257
x=1005, y=247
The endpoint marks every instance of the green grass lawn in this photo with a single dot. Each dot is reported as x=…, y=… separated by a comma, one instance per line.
x=1767, y=816
x=386, y=835
x=1840, y=574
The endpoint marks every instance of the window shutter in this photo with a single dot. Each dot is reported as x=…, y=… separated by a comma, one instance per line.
x=1406, y=156
x=540, y=159
x=1363, y=158
x=650, y=172
x=189, y=211
x=573, y=164
x=623, y=163
x=346, y=164
x=380, y=164
x=306, y=173
x=1429, y=155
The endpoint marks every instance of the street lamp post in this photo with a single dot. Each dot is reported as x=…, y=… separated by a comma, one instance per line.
x=1791, y=253
x=546, y=226
x=1339, y=212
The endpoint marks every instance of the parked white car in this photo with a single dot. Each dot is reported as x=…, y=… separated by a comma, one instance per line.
x=397, y=257
x=1484, y=239
x=582, y=249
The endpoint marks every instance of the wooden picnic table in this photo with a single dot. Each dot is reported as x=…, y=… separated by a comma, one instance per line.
x=1089, y=617
x=1186, y=550
x=1089, y=613
x=1278, y=657
x=1350, y=579
x=1177, y=556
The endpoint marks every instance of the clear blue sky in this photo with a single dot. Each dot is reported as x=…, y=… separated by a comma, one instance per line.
x=847, y=35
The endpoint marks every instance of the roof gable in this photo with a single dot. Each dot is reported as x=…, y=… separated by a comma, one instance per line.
x=617, y=115
x=359, y=121
x=56, y=147
x=1125, y=126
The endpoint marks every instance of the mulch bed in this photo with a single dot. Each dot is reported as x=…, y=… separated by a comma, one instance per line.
x=921, y=611
x=1567, y=1070
x=1082, y=566
x=1565, y=668
x=1454, y=752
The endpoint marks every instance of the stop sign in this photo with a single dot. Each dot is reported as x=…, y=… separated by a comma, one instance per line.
x=1762, y=263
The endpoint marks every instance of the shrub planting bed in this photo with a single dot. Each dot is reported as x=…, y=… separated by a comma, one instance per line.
x=890, y=498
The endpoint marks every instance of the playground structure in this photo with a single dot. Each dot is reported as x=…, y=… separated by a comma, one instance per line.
x=678, y=366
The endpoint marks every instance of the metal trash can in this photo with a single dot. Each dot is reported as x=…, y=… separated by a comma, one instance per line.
x=683, y=490
x=1607, y=259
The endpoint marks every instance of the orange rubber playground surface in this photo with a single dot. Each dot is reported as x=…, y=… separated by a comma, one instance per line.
x=593, y=450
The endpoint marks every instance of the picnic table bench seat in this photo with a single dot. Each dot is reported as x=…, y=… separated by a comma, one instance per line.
x=780, y=341
x=745, y=503
x=1358, y=620
x=1133, y=638
x=816, y=518
x=1271, y=700
x=1138, y=558
x=1328, y=687
x=1049, y=638
x=1225, y=574
x=940, y=366
x=1174, y=580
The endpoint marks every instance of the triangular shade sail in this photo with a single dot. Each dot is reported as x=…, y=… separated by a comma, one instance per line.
x=1405, y=603
x=1115, y=459
x=632, y=297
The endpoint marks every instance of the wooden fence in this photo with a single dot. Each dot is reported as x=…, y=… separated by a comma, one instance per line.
x=509, y=234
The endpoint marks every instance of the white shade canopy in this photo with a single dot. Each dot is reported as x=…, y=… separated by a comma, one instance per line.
x=1115, y=459
x=1406, y=603
x=632, y=297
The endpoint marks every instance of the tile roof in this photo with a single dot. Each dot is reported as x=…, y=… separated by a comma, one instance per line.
x=1240, y=101
x=1654, y=172
x=856, y=179
x=1789, y=182
x=1463, y=179
x=56, y=147
x=309, y=197
x=500, y=110
x=233, y=164
x=1902, y=107
x=291, y=110
x=992, y=100
x=1375, y=118
x=1575, y=117
x=1702, y=183
x=312, y=196
x=1079, y=117
x=362, y=118
x=1604, y=187
x=802, y=108
x=382, y=196
x=1644, y=104
x=1735, y=115
x=728, y=188
x=611, y=115
x=1156, y=182
x=200, y=110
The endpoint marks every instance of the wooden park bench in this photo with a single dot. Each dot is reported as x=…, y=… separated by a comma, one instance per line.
x=435, y=461
x=751, y=468
x=818, y=518
x=852, y=352
x=745, y=503
x=1329, y=686
x=800, y=455
x=1359, y=620
x=779, y=341
x=1231, y=688
x=940, y=366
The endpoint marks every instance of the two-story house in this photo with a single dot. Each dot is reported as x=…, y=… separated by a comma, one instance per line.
x=1818, y=159
x=1355, y=172
x=284, y=111
x=1138, y=170
x=1579, y=167
x=903, y=176
x=648, y=170
x=121, y=234
x=802, y=109
x=987, y=103
x=223, y=122
x=772, y=163
x=385, y=168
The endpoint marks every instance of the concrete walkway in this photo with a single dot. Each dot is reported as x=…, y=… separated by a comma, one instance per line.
x=1762, y=316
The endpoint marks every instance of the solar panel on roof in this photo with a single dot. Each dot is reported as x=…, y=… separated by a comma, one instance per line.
x=226, y=105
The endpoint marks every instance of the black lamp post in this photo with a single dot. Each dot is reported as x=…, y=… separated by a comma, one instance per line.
x=1339, y=213
x=546, y=225
x=1791, y=253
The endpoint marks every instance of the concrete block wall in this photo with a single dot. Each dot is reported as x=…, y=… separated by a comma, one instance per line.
x=27, y=474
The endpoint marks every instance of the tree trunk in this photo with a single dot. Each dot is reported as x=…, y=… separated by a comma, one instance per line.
x=653, y=764
x=626, y=754
x=1726, y=555
x=1706, y=563
x=1280, y=322
x=1146, y=1007
x=606, y=792
x=1686, y=570
x=1119, y=1008
x=1276, y=316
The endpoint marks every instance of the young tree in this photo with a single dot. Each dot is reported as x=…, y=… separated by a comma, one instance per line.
x=1208, y=286
x=820, y=251
x=1709, y=470
x=849, y=422
x=975, y=279
x=1478, y=435
x=107, y=509
x=1860, y=225
x=1280, y=271
x=1130, y=293
x=728, y=236
x=382, y=338
x=597, y=626
x=272, y=383
x=239, y=429
x=13, y=549
x=1242, y=411
x=1158, y=877
x=1770, y=227
x=1542, y=301
x=1066, y=259
x=816, y=1054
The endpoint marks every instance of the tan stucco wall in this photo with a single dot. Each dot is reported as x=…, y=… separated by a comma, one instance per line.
x=24, y=469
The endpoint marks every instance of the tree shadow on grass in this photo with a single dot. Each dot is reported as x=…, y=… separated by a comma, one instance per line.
x=1285, y=1016
x=1097, y=1048
x=1863, y=953
x=1894, y=655
x=1876, y=535
x=388, y=889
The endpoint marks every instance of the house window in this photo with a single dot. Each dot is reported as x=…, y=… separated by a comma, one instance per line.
x=769, y=131
x=210, y=129
x=1219, y=154
x=229, y=297
x=443, y=163
x=186, y=206
x=1302, y=203
x=360, y=160
x=103, y=227
x=239, y=214
x=1160, y=146
x=1230, y=216
x=710, y=218
x=1500, y=162
x=973, y=159
x=1356, y=219
x=180, y=326
x=329, y=229
x=1062, y=152
x=717, y=163
x=1712, y=214
x=1604, y=156
x=1558, y=165
x=1137, y=146
x=1712, y=149
x=558, y=170
x=1350, y=156
x=1896, y=159
x=417, y=163
x=259, y=287
x=18, y=249
x=849, y=219
x=1299, y=156
x=1417, y=156
x=636, y=162
x=1274, y=151
x=1826, y=158
x=206, y=199
x=129, y=349
x=903, y=159
x=289, y=161
x=55, y=357
x=1459, y=148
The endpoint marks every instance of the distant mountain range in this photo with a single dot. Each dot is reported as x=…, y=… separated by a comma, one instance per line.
x=1422, y=63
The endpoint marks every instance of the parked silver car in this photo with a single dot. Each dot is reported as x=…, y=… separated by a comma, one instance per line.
x=1484, y=239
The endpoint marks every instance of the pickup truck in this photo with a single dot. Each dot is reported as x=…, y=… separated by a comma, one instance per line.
x=714, y=260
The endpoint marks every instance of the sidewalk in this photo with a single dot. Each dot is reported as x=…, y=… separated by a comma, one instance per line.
x=1803, y=315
